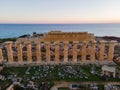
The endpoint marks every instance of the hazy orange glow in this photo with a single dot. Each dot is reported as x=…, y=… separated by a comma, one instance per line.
x=62, y=11
x=59, y=20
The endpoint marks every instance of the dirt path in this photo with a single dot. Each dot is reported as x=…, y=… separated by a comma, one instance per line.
x=67, y=84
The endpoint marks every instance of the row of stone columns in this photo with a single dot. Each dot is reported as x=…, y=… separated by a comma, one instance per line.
x=110, y=51
x=75, y=45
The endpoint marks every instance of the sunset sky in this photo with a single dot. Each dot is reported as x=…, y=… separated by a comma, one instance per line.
x=59, y=11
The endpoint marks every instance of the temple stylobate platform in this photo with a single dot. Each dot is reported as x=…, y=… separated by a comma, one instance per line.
x=56, y=50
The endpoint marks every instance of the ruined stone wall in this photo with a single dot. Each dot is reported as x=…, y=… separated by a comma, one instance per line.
x=55, y=36
x=51, y=52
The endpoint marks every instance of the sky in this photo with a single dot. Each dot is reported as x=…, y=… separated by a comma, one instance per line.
x=59, y=11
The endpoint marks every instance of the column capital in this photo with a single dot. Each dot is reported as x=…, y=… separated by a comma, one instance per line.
x=37, y=42
x=47, y=42
x=65, y=42
x=8, y=42
x=113, y=41
x=17, y=42
x=93, y=42
x=75, y=41
x=84, y=43
x=56, y=42
x=28, y=42
x=102, y=41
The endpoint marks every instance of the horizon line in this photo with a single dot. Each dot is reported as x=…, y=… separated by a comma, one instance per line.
x=67, y=23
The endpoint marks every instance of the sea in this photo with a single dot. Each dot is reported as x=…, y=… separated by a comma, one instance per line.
x=16, y=30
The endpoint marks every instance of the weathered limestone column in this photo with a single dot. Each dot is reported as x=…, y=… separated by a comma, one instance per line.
x=29, y=52
x=56, y=51
x=84, y=45
x=102, y=48
x=47, y=51
x=19, y=51
x=92, y=53
x=111, y=50
x=38, y=51
x=66, y=51
x=1, y=54
x=75, y=50
x=9, y=51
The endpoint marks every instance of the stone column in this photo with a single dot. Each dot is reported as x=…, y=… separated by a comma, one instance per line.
x=38, y=51
x=47, y=51
x=102, y=48
x=84, y=45
x=29, y=52
x=75, y=50
x=111, y=50
x=9, y=51
x=57, y=51
x=19, y=51
x=92, y=53
x=1, y=54
x=66, y=51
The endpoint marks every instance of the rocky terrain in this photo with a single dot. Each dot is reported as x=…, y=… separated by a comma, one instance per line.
x=107, y=38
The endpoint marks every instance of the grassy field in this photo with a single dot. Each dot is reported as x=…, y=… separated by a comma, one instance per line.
x=50, y=73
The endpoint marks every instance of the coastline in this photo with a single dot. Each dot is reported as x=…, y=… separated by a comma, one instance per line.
x=106, y=38
x=15, y=30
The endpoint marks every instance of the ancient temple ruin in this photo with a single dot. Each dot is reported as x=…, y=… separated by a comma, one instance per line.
x=58, y=47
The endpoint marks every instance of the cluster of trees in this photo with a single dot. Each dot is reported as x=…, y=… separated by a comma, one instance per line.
x=7, y=39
